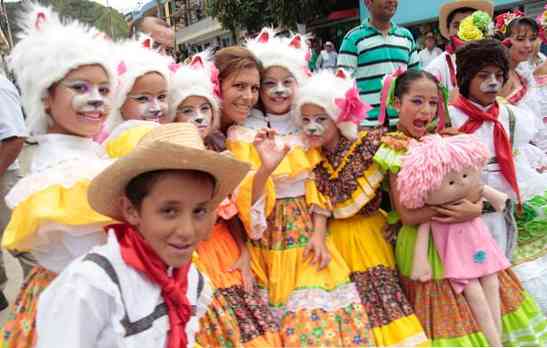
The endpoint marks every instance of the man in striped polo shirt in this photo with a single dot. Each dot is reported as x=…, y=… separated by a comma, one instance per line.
x=374, y=49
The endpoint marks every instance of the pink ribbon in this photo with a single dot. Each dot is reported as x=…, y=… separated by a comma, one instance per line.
x=122, y=68
x=215, y=80
x=353, y=109
x=389, y=80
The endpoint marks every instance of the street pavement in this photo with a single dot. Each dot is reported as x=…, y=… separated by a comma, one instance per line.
x=15, y=275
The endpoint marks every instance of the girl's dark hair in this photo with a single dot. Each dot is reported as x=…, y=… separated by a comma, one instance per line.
x=453, y=14
x=140, y=186
x=402, y=85
x=474, y=56
x=522, y=22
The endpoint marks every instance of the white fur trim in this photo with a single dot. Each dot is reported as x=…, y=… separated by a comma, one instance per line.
x=190, y=81
x=138, y=61
x=47, y=52
x=277, y=52
x=322, y=89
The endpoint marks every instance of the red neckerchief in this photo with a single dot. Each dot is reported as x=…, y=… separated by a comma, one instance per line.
x=138, y=254
x=502, y=144
x=517, y=97
x=454, y=43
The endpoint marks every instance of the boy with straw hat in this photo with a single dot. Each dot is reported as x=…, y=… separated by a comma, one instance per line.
x=451, y=14
x=141, y=289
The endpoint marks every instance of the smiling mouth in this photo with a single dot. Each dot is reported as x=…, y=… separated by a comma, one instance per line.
x=92, y=116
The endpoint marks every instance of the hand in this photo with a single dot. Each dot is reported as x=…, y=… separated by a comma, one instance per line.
x=270, y=154
x=317, y=247
x=460, y=211
x=421, y=270
x=243, y=265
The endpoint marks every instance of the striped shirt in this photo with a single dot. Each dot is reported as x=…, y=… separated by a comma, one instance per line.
x=370, y=55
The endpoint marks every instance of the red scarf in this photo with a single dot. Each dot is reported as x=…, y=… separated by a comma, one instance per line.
x=453, y=45
x=138, y=254
x=517, y=97
x=502, y=144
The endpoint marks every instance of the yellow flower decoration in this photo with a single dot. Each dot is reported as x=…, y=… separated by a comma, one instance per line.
x=468, y=31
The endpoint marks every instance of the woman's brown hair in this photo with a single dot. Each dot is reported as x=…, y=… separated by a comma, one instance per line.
x=233, y=59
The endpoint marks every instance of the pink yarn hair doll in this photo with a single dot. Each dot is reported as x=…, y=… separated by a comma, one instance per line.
x=439, y=170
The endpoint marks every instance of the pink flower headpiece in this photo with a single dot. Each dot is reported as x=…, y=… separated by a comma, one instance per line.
x=387, y=91
x=504, y=19
x=353, y=109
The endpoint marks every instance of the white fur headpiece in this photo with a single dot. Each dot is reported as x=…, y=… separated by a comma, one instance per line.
x=135, y=58
x=336, y=92
x=198, y=77
x=48, y=49
x=289, y=53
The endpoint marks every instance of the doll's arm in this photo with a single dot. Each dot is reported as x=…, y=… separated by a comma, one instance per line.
x=421, y=269
x=497, y=198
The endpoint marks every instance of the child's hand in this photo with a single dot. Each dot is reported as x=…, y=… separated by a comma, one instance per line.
x=317, y=247
x=270, y=154
x=243, y=265
x=460, y=211
x=421, y=270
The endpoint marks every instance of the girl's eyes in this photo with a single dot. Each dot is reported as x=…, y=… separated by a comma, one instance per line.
x=451, y=183
x=255, y=89
x=80, y=88
x=321, y=119
x=205, y=108
x=417, y=101
x=169, y=212
x=142, y=99
x=465, y=176
x=162, y=97
x=104, y=90
x=305, y=120
x=201, y=211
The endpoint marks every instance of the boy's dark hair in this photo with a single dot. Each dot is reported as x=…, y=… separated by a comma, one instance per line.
x=402, y=85
x=140, y=186
x=453, y=14
x=474, y=56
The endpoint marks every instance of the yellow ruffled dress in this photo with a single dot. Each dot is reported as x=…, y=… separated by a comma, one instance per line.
x=51, y=219
x=351, y=181
x=314, y=308
x=235, y=318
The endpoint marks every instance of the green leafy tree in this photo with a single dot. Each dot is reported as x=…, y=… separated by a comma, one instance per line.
x=252, y=15
x=106, y=19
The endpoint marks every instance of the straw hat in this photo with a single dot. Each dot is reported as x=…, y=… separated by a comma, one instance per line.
x=449, y=7
x=169, y=146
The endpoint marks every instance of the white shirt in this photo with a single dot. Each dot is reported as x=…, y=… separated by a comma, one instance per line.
x=426, y=55
x=439, y=68
x=84, y=307
x=12, y=122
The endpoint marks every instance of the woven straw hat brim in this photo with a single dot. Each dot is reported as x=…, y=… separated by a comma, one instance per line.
x=107, y=188
x=446, y=9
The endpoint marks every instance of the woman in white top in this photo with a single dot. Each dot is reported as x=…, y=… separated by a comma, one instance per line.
x=141, y=288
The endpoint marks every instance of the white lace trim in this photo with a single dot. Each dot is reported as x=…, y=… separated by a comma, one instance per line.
x=329, y=301
x=66, y=174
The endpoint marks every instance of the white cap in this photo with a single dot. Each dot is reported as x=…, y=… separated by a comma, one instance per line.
x=328, y=90
x=198, y=78
x=289, y=53
x=48, y=49
x=135, y=58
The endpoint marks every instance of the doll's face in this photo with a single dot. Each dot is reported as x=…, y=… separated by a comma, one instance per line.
x=147, y=100
x=80, y=102
x=198, y=111
x=277, y=90
x=455, y=186
x=318, y=128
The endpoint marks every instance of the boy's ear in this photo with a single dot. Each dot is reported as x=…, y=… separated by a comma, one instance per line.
x=129, y=211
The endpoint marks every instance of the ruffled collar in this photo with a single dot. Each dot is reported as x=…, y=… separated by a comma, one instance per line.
x=56, y=148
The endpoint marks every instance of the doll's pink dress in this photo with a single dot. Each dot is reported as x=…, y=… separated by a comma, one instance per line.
x=467, y=251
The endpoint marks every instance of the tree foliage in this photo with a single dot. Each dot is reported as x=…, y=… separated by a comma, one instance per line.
x=106, y=19
x=252, y=15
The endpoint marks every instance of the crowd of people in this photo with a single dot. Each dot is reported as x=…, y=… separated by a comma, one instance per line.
x=238, y=199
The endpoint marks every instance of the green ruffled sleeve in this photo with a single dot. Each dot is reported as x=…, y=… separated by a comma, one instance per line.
x=388, y=159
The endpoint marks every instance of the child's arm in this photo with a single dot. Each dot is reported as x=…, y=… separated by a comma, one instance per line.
x=270, y=157
x=497, y=198
x=243, y=263
x=316, y=244
x=421, y=269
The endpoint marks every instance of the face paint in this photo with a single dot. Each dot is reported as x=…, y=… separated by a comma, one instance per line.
x=278, y=90
x=151, y=108
x=89, y=98
x=491, y=84
x=314, y=126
